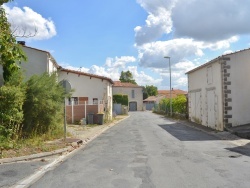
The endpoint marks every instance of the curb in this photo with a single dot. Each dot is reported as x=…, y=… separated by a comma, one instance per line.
x=74, y=146
x=28, y=181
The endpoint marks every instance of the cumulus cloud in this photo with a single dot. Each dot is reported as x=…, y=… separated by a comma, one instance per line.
x=152, y=54
x=28, y=22
x=211, y=20
x=157, y=23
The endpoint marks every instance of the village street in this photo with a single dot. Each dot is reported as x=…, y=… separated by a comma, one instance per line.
x=147, y=150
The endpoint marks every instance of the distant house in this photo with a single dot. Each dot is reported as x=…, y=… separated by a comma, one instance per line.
x=151, y=101
x=39, y=62
x=218, y=91
x=91, y=94
x=134, y=92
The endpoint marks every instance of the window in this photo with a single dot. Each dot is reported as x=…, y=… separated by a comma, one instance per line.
x=133, y=93
x=73, y=101
x=95, y=100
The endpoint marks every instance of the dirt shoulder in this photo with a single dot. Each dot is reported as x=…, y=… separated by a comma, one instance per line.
x=76, y=135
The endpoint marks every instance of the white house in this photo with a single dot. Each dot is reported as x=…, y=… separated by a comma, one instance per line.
x=218, y=91
x=134, y=92
x=38, y=62
x=91, y=94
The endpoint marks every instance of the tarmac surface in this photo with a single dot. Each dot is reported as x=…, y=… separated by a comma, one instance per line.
x=81, y=136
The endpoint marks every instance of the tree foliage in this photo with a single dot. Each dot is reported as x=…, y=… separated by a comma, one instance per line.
x=127, y=77
x=43, y=108
x=179, y=105
x=149, y=91
x=120, y=99
x=10, y=51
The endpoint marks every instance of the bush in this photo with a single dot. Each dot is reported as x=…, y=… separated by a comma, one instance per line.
x=120, y=99
x=11, y=113
x=43, y=108
x=179, y=105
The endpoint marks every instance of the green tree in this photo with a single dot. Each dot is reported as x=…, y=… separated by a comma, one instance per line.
x=149, y=91
x=10, y=51
x=43, y=106
x=127, y=77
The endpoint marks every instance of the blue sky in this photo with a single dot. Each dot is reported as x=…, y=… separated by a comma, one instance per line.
x=107, y=37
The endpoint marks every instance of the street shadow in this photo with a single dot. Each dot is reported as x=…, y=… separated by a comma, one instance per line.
x=186, y=133
x=243, y=150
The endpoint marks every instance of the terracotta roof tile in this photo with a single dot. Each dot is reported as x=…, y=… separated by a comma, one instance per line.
x=86, y=74
x=124, y=84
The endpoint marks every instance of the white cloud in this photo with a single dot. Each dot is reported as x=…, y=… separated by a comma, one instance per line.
x=158, y=21
x=211, y=20
x=28, y=22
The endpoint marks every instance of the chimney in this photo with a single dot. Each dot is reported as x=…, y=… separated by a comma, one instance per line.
x=21, y=42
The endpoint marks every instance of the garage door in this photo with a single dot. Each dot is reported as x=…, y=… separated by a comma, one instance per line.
x=133, y=106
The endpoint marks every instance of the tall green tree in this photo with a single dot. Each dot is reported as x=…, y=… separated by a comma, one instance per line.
x=127, y=77
x=149, y=91
x=10, y=51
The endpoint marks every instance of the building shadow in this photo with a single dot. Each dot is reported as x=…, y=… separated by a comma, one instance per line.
x=186, y=133
x=243, y=150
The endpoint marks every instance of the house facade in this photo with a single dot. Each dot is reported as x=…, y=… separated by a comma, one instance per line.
x=134, y=92
x=217, y=91
x=38, y=62
x=91, y=94
x=151, y=101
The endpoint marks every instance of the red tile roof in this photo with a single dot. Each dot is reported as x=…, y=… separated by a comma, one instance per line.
x=124, y=84
x=174, y=93
x=86, y=74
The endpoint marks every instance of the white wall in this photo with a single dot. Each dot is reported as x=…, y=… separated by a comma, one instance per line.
x=200, y=85
x=128, y=91
x=36, y=63
x=240, y=87
x=91, y=87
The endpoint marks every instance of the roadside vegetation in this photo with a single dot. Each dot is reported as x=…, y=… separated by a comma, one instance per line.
x=31, y=112
x=179, y=107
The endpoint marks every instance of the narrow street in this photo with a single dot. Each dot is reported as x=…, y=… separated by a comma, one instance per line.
x=147, y=150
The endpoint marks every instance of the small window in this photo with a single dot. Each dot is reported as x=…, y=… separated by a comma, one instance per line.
x=95, y=100
x=133, y=93
x=73, y=101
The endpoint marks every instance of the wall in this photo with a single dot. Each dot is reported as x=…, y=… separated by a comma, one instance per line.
x=205, y=96
x=36, y=63
x=128, y=91
x=91, y=87
x=240, y=88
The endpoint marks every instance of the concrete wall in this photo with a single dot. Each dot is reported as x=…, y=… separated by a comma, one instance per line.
x=37, y=63
x=138, y=95
x=90, y=87
x=205, y=96
x=240, y=88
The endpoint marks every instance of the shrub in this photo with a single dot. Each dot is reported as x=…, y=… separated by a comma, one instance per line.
x=120, y=99
x=43, y=108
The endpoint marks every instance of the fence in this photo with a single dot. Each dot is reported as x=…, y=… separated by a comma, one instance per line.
x=76, y=111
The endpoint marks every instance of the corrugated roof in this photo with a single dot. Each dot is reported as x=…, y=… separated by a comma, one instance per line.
x=86, y=74
x=125, y=84
x=216, y=59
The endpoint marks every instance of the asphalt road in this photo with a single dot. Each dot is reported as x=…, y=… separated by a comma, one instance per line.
x=147, y=150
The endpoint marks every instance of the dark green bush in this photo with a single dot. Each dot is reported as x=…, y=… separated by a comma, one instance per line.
x=43, y=108
x=120, y=99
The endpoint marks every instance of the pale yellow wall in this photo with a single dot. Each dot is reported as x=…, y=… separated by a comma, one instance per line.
x=128, y=91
